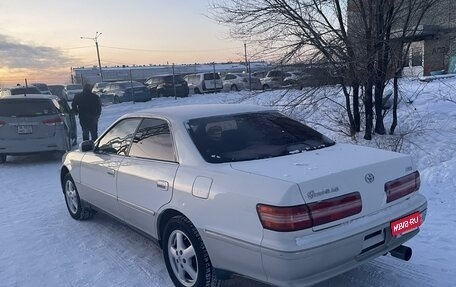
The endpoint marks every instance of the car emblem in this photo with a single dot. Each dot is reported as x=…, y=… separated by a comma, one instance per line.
x=369, y=178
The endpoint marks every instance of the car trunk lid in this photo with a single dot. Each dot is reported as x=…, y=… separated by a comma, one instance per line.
x=336, y=171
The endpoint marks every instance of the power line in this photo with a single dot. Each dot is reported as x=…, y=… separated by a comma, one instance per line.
x=173, y=51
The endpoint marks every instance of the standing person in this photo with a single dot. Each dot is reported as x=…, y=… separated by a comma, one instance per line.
x=88, y=106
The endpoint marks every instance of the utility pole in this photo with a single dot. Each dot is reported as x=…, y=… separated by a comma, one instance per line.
x=247, y=66
x=245, y=56
x=95, y=39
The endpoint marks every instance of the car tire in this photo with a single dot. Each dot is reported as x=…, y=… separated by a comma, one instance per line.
x=116, y=100
x=73, y=202
x=160, y=94
x=234, y=88
x=2, y=158
x=265, y=87
x=180, y=236
x=197, y=91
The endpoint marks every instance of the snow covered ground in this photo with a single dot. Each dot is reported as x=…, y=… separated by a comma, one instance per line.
x=41, y=245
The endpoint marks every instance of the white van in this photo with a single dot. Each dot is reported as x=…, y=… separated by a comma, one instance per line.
x=204, y=83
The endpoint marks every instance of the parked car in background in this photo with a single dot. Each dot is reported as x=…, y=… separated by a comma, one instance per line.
x=98, y=88
x=125, y=91
x=239, y=189
x=20, y=90
x=239, y=81
x=162, y=86
x=274, y=79
x=259, y=74
x=34, y=123
x=44, y=89
x=57, y=90
x=204, y=82
x=70, y=90
x=296, y=79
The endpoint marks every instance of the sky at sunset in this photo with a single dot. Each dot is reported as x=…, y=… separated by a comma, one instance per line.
x=41, y=40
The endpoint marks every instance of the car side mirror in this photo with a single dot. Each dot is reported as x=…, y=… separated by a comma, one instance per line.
x=86, y=145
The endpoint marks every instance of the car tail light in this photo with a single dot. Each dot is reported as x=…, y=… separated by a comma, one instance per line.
x=284, y=218
x=293, y=218
x=2, y=123
x=335, y=208
x=402, y=186
x=54, y=121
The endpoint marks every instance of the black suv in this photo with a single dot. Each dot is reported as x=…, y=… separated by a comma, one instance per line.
x=162, y=86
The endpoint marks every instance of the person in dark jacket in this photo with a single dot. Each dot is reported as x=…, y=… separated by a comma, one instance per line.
x=88, y=106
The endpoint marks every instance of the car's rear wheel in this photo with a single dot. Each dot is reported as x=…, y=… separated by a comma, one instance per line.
x=115, y=100
x=234, y=88
x=185, y=255
x=73, y=202
x=265, y=87
x=197, y=91
x=2, y=158
x=161, y=94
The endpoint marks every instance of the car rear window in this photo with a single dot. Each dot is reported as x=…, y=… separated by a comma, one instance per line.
x=74, y=87
x=169, y=79
x=26, y=108
x=252, y=136
x=211, y=76
x=23, y=90
x=275, y=74
x=127, y=85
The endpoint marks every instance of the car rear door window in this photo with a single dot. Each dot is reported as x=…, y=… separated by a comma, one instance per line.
x=118, y=139
x=153, y=141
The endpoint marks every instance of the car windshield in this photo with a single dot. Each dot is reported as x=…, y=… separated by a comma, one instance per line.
x=74, y=87
x=252, y=136
x=26, y=108
x=23, y=90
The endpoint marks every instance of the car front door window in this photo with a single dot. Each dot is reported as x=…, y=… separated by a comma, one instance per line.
x=118, y=139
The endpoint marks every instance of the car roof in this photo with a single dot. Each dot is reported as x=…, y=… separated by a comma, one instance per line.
x=187, y=112
x=29, y=96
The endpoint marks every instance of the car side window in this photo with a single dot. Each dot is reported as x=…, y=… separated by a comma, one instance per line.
x=153, y=141
x=118, y=139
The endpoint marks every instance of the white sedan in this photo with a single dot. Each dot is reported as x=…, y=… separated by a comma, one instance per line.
x=237, y=189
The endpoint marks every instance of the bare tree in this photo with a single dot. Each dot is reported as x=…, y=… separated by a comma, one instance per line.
x=353, y=36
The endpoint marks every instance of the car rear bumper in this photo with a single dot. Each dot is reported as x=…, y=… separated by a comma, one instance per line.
x=27, y=145
x=304, y=260
x=310, y=266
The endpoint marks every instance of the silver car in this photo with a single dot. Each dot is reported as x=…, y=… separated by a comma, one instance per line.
x=238, y=189
x=69, y=91
x=239, y=81
x=31, y=123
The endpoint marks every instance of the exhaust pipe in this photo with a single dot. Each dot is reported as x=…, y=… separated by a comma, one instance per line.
x=402, y=252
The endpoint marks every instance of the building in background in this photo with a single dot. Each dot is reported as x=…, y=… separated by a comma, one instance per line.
x=141, y=73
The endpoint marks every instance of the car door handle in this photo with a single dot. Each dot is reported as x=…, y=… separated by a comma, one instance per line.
x=111, y=172
x=162, y=184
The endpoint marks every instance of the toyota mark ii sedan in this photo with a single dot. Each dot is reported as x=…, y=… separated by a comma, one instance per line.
x=237, y=189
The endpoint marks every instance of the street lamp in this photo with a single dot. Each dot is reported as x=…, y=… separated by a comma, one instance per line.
x=95, y=39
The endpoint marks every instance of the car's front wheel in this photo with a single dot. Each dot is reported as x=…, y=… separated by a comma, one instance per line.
x=116, y=100
x=185, y=255
x=73, y=202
